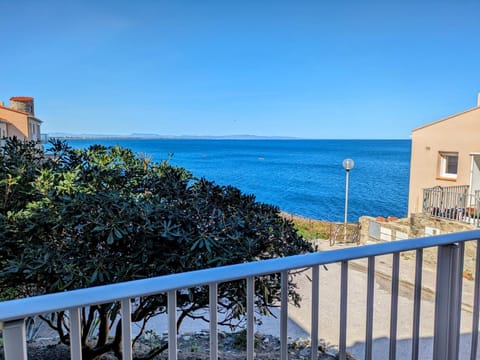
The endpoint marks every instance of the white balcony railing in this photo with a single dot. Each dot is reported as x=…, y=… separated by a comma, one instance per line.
x=43, y=138
x=447, y=314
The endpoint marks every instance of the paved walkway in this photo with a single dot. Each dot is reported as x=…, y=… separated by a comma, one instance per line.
x=299, y=318
x=330, y=307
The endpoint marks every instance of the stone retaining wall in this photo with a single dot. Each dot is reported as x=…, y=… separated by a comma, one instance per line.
x=418, y=225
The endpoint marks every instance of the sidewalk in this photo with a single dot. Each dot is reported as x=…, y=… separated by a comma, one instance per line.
x=357, y=279
x=299, y=318
x=383, y=270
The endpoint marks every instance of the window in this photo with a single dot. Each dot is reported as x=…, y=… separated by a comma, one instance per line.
x=449, y=165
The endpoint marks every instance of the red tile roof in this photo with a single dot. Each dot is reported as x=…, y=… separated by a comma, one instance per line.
x=22, y=98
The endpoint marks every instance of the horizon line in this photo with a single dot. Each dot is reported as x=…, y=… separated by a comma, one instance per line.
x=196, y=137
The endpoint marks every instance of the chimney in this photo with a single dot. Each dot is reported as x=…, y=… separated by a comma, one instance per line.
x=3, y=104
x=22, y=103
x=478, y=100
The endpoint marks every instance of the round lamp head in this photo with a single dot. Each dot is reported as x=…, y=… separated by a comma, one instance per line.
x=348, y=164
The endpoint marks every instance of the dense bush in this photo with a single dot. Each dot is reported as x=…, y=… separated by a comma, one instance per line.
x=81, y=218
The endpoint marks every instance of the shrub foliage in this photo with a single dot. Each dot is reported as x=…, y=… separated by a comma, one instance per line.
x=80, y=218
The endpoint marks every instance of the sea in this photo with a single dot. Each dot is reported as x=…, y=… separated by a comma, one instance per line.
x=301, y=177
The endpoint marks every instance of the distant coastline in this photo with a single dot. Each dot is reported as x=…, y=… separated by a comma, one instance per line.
x=165, y=137
x=67, y=136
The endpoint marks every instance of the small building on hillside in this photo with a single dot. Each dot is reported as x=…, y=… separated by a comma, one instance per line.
x=444, y=194
x=445, y=168
x=19, y=119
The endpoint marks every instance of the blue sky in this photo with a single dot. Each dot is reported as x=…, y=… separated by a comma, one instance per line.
x=310, y=69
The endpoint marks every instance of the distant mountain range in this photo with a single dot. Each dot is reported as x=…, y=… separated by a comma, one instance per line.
x=60, y=135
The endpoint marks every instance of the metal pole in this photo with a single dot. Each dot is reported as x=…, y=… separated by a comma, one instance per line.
x=346, y=207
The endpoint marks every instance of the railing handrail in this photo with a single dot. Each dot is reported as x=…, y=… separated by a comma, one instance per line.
x=453, y=188
x=21, y=308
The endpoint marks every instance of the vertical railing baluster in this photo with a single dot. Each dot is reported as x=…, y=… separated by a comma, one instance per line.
x=172, y=324
x=370, y=304
x=250, y=317
x=213, y=297
x=451, y=197
x=315, y=311
x=343, y=310
x=446, y=202
x=394, y=306
x=417, y=300
x=448, y=302
x=440, y=339
x=476, y=305
x=284, y=316
x=127, y=352
x=15, y=340
x=75, y=334
x=456, y=302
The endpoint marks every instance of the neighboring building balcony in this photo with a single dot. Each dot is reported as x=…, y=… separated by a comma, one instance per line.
x=453, y=203
x=43, y=138
x=442, y=324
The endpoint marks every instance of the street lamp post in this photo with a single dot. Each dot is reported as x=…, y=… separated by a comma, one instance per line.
x=347, y=165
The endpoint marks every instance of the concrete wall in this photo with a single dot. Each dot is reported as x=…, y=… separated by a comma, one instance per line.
x=417, y=225
x=33, y=129
x=12, y=131
x=3, y=129
x=18, y=121
x=379, y=229
x=459, y=133
x=424, y=225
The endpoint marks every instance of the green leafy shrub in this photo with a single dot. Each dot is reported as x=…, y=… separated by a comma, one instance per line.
x=82, y=218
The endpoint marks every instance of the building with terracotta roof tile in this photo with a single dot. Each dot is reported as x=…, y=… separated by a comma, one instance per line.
x=19, y=119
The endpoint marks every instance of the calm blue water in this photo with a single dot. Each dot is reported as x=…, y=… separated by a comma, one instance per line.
x=303, y=177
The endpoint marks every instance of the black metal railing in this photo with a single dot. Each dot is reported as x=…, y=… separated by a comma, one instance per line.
x=452, y=203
